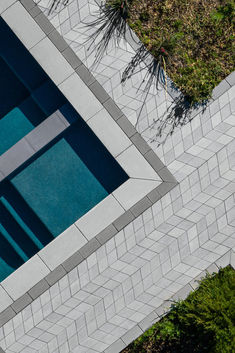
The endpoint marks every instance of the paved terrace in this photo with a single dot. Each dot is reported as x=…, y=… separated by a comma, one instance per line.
x=122, y=288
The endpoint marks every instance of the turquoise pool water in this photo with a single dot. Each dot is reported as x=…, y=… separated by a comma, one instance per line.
x=65, y=191
x=16, y=124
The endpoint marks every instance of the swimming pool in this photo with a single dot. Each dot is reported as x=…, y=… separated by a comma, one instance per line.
x=63, y=180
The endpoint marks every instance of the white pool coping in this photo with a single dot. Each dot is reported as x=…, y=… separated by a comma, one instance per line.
x=143, y=177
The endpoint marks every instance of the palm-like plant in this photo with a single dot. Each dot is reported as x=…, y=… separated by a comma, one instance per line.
x=55, y=4
x=111, y=25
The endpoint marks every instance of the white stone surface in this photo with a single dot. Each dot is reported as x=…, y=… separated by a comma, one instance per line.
x=30, y=273
x=109, y=132
x=62, y=247
x=136, y=166
x=4, y=4
x=80, y=97
x=99, y=217
x=5, y=299
x=133, y=190
x=52, y=61
x=29, y=33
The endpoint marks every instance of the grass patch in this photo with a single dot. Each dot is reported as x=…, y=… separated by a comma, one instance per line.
x=204, y=322
x=195, y=38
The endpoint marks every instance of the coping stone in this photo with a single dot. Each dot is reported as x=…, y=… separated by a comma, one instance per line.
x=73, y=261
x=38, y=289
x=89, y=248
x=6, y=315
x=106, y=234
x=5, y=299
x=154, y=195
x=21, y=303
x=99, y=92
x=71, y=57
x=232, y=259
x=141, y=206
x=132, y=334
x=58, y=40
x=85, y=75
x=55, y=275
x=140, y=143
x=115, y=347
x=126, y=126
x=213, y=269
x=35, y=11
x=154, y=160
x=123, y=220
x=182, y=293
x=195, y=281
x=28, y=4
x=165, y=187
x=148, y=321
x=231, y=78
x=113, y=109
x=44, y=23
x=224, y=260
x=166, y=175
x=222, y=87
x=163, y=308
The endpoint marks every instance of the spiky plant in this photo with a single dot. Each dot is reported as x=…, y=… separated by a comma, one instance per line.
x=111, y=25
x=55, y=4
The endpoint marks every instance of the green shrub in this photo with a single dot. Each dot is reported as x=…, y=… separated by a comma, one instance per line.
x=204, y=322
x=209, y=313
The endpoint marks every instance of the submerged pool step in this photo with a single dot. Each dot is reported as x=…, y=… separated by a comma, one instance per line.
x=22, y=224
x=16, y=235
x=24, y=214
x=12, y=243
x=28, y=146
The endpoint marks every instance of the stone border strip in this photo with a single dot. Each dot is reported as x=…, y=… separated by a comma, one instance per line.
x=162, y=310
x=169, y=182
x=32, y=143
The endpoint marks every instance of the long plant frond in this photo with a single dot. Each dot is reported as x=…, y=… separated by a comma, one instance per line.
x=111, y=24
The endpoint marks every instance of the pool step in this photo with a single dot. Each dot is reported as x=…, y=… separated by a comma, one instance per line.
x=16, y=235
x=10, y=260
x=33, y=142
x=12, y=243
x=22, y=224
x=24, y=215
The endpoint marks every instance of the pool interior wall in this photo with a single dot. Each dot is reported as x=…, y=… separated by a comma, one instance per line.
x=62, y=181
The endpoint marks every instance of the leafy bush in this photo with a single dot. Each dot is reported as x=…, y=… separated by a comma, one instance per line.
x=204, y=322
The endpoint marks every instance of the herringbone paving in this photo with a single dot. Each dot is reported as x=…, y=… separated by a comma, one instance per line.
x=111, y=297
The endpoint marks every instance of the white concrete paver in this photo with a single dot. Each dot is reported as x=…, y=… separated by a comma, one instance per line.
x=96, y=307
